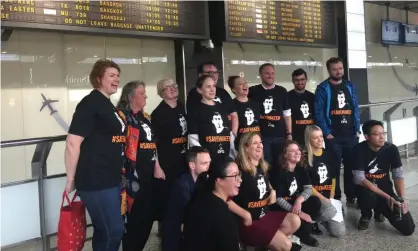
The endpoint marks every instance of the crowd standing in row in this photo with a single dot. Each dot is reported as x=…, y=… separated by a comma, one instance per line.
x=252, y=169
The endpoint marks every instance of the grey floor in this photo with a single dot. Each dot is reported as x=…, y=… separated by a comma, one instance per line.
x=380, y=236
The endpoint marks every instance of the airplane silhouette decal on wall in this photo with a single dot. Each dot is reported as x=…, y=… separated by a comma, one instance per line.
x=54, y=113
x=47, y=103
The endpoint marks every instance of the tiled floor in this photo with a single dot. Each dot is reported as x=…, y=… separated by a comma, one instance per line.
x=380, y=236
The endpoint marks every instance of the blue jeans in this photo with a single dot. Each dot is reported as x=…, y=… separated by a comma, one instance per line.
x=342, y=148
x=105, y=212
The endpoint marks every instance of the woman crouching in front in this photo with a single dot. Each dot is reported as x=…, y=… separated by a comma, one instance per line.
x=260, y=227
x=209, y=225
x=322, y=170
x=294, y=190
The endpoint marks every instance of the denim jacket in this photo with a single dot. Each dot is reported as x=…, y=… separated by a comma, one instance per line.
x=323, y=103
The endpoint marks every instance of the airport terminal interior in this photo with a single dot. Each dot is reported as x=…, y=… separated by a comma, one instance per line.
x=48, y=49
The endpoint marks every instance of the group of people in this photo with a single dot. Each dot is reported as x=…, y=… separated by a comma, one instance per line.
x=257, y=169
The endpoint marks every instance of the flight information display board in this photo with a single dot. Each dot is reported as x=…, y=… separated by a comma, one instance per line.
x=289, y=22
x=181, y=19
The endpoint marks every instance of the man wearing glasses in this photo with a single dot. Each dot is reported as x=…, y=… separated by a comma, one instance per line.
x=373, y=159
x=222, y=96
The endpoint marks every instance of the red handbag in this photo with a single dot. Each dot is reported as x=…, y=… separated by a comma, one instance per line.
x=72, y=225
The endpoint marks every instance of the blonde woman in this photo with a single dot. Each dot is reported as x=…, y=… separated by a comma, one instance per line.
x=260, y=227
x=322, y=172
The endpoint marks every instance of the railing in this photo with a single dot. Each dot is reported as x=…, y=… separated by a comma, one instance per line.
x=50, y=187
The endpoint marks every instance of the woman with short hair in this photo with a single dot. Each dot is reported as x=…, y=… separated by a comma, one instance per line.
x=248, y=110
x=169, y=122
x=93, y=156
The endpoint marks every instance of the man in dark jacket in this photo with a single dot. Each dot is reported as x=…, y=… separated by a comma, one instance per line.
x=337, y=113
x=198, y=159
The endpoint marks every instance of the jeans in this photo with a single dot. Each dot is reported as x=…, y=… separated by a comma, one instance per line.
x=272, y=148
x=342, y=148
x=368, y=200
x=104, y=208
x=326, y=213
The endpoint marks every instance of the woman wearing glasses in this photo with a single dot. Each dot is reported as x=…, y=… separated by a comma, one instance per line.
x=170, y=128
x=259, y=226
x=209, y=225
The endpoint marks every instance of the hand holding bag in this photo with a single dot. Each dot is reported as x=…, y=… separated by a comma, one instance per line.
x=71, y=225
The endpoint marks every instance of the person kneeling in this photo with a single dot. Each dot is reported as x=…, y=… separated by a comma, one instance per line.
x=259, y=226
x=294, y=189
x=322, y=173
x=373, y=159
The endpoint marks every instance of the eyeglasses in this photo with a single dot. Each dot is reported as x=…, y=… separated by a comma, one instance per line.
x=171, y=86
x=237, y=176
x=378, y=134
x=212, y=73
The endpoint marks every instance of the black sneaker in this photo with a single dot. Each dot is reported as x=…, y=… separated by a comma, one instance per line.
x=315, y=229
x=363, y=223
x=352, y=203
x=295, y=247
x=379, y=217
x=310, y=241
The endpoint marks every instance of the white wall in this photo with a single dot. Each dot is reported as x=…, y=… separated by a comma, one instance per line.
x=58, y=65
x=392, y=71
x=285, y=59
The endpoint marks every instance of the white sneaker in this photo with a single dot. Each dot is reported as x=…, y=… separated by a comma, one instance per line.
x=294, y=239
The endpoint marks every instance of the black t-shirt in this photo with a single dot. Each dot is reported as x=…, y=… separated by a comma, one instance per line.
x=100, y=162
x=341, y=111
x=376, y=165
x=248, y=116
x=210, y=123
x=289, y=185
x=323, y=172
x=253, y=194
x=170, y=127
x=146, y=154
x=272, y=104
x=302, y=105
x=210, y=226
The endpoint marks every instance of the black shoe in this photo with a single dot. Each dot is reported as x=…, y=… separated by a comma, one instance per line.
x=353, y=203
x=295, y=247
x=363, y=223
x=310, y=241
x=379, y=218
x=315, y=229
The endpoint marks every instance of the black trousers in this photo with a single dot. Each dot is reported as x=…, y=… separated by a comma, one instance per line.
x=311, y=207
x=369, y=201
x=141, y=217
x=342, y=148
